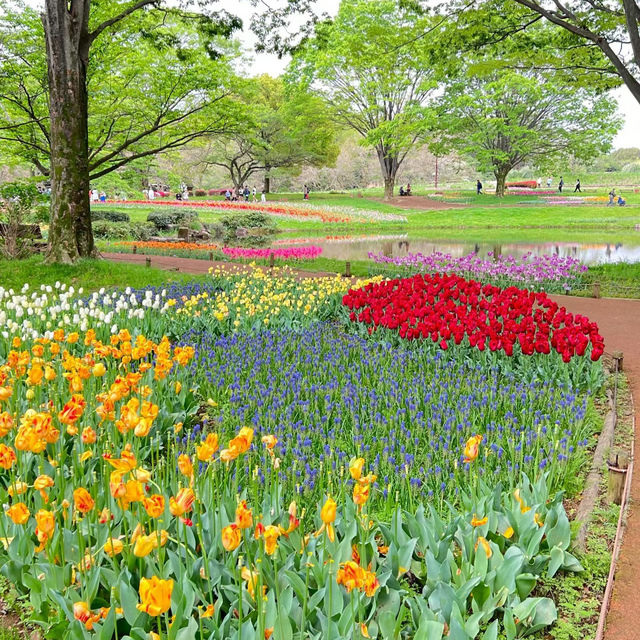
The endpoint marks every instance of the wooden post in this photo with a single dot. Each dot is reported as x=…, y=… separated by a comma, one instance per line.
x=135, y=248
x=272, y=260
x=617, y=476
x=211, y=256
x=148, y=261
x=618, y=360
x=596, y=289
x=347, y=269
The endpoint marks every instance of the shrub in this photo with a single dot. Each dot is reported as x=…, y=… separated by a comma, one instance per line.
x=107, y=230
x=200, y=192
x=212, y=192
x=142, y=230
x=164, y=220
x=110, y=215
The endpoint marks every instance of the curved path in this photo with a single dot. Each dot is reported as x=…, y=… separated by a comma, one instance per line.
x=619, y=322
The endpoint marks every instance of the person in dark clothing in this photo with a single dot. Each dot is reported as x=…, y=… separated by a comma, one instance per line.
x=560, y=184
x=306, y=192
x=578, y=188
x=479, y=187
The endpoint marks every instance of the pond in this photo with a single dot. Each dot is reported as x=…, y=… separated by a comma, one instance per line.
x=357, y=247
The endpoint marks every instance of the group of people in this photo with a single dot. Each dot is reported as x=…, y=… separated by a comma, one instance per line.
x=244, y=193
x=612, y=199
x=407, y=191
x=97, y=196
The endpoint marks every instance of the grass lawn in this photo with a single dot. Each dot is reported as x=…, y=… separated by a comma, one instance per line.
x=88, y=274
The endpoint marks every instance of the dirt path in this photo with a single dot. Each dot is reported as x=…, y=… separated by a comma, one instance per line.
x=619, y=322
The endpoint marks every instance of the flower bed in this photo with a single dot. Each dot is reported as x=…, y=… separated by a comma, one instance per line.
x=325, y=214
x=449, y=310
x=290, y=253
x=548, y=272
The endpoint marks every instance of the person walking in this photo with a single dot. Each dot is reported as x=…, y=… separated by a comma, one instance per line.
x=306, y=192
x=263, y=196
x=578, y=188
x=549, y=181
x=254, y=195
x=560, y=184
x=479, y=188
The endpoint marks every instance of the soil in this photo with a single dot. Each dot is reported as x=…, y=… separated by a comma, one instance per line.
x=420, y=202
x=619, y=322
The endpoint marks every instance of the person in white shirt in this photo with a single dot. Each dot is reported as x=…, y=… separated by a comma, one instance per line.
x=151, y=194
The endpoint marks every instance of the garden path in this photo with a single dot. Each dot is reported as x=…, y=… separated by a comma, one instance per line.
x=619, y=322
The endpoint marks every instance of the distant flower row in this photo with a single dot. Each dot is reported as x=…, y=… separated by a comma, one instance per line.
x=530, y=269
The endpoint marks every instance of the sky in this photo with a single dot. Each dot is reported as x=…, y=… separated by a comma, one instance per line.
x=628, y=136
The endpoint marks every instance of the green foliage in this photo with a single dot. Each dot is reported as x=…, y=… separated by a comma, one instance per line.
x=232, y=225
x=166, y=218
x=156, y=82
x=506, y=118
x=109, y=214
x=375, y=65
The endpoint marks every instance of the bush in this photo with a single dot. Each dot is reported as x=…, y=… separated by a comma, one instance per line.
x=107, y=230
x=212, y=192
x=252, y=220
x=200, y=192
x=142, y=230
x=111, y=216
x=164, y=220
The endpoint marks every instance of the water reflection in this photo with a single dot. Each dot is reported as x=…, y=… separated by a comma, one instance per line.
x=358, y=247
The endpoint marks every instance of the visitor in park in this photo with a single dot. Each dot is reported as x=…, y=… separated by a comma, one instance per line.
x=479, y=188
x=178, y=196
x=263, y=196
x=578, y=188
x=227, y=195
x=621, y=201
x=539, y=183
x=402, y=191
x=94, y=195
x=254, y=195
x=612, y=196
x=185, y=193
x=103, y=196
x=306, y=192
x=151, y=194
x=247, y=193
x=560, y=184
x=549, y=181
x=408, y=189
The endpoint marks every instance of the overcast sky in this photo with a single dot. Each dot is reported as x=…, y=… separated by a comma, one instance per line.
x=629, y=135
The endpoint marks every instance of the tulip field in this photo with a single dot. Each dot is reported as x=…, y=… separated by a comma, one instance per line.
x=264, y=456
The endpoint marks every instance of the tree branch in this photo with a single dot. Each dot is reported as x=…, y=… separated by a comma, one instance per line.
x=121, y=16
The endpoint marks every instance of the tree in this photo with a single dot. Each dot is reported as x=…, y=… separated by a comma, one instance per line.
x=375, y=65
x=152, y=82
x=506, y=118
x=612, y=26
x=283, y=129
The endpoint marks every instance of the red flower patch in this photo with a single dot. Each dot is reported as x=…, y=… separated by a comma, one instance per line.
x=448, y=308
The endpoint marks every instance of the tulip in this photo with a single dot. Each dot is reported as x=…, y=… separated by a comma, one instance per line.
x=355, y=467
x=7, y=456
x=182, y=503
x=155, y=595
x=231, y=537
x=271, y=535
x=478, y=522
x=485, y=545
x=113, y=547
x=144, y=545
x=154, y=505
x=471, y=448
x=83, y=500
x=244, y=518
x=19, y=513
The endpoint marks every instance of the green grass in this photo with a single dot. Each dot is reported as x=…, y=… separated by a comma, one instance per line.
x=88, y=274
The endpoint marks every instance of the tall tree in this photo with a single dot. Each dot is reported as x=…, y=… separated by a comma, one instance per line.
x=505, y=119
x=148, y=85
x=375, y=65
x=284, y=129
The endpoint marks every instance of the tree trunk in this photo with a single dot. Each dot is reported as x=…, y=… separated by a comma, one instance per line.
x=267, y=180
x=501, y=177
x=389, y=165
x=67, y=42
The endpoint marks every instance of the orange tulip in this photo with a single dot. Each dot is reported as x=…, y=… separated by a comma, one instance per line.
x=205, y=451
x=244, y=518
x=360, y=494
x=231, y=537
x=88, y=436
x=355, y=468
x=485, y=545
x=185, y=465
x=471, y=448
x=144, y=545
x=19, y=513
x=83, y=500
x=271, y=535
x=7, y=456
x=182, y=503
x=72, y=410
x=269, y=441
x=155, y=595
x=478, y=522
x=41, y=483
x=154, y=505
